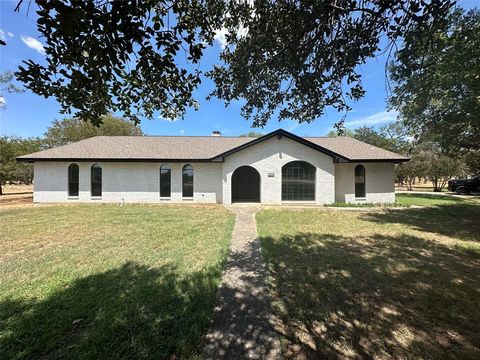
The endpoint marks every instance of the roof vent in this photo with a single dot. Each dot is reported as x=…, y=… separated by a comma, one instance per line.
x=216, y=133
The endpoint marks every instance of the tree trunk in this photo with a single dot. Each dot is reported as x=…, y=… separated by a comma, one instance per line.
x=409, y=184
x=1, y=191
x=435, y=184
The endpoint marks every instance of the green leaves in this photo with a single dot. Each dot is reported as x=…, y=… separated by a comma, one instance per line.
x=119, y=56
x=10, y=169
x=436, y=82
x=298, y=58
x=66, y=131
x=138, y=57
x=7, y=85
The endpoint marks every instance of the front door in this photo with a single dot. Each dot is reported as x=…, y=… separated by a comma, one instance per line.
x=245, y=185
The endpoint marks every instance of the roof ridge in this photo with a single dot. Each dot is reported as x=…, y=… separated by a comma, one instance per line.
x=174, y=136
x=321, y=137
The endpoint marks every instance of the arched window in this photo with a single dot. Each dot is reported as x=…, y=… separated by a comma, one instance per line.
x=73, y=180
x=187, y=181
x=96, y=180
x=359, y=181
x=298, y=181
x=165, y=180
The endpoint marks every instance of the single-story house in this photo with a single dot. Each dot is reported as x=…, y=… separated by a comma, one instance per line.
x=277, y=168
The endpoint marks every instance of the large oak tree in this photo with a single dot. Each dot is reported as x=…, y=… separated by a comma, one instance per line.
x=437, y=82
x=139, y=57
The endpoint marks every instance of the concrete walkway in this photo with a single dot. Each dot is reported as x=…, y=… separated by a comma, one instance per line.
x=243, y=326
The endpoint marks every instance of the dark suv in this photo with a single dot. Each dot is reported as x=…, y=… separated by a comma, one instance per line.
x=465, y=186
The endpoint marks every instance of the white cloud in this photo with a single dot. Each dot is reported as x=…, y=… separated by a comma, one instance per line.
x=220, y=36
x=378, y=118
x=182, y=131
x=3, y=102
x=160, y=117
x=2, y=34
x=33, y=43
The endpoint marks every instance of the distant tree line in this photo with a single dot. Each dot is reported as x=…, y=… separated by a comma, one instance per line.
x=254, y=134
x=61, y=132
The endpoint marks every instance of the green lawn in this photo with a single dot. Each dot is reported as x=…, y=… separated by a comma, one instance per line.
x=412, y=199
x=105, y=281
x=432, y=200
x=388, y=284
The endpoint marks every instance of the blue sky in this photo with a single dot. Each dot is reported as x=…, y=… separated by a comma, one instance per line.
x=27, y=114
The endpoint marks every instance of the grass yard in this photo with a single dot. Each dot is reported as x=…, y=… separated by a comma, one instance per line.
x=412, y=199
x=433, y=200
x=399, y=284
x=102, y=282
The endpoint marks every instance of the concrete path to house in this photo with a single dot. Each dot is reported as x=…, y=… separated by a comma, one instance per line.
x=243, y=326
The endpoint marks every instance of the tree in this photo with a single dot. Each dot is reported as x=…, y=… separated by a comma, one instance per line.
x=252, y=134
x=290, y=56
x=393, y=137
x=401, y=139
x=409, y=171
x=6, y=156
x=69, y=130
x=7, y=86
x=427, y=161
x=472, y=162
x=299, y=57
x=440, y=168
x=372, y=137
x=344, y=132
x=10, y=169
x=436, y=82
x=23, y=172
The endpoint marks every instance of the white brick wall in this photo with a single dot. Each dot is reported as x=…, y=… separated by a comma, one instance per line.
x=139, y=181
x=379, y=182
x=268, y=157
x=132, y=181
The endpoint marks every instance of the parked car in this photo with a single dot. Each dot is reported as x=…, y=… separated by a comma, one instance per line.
x=465, y=186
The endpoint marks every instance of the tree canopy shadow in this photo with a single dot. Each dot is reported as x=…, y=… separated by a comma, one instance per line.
x=455, y=220
x=128, y=312
x=376, y=297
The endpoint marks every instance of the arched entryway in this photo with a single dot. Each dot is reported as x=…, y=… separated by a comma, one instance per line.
x=245, y=185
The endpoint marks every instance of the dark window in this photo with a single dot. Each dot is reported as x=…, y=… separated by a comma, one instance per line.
x=359, y=181
x=165, y=180
x=298, y=181
x=96, y=179
x=73, y=180
x=187, y=180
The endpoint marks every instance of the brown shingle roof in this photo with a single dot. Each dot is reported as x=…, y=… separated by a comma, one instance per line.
x=354, y=149
x=200, y=148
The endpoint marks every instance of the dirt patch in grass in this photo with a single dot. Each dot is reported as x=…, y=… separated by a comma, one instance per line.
x=399, y=284
x=9, y=201
x=16, y=196
x=106, y=281
x=17, y=189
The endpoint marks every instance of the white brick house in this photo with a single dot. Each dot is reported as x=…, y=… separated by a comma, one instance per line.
x=277, y=168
